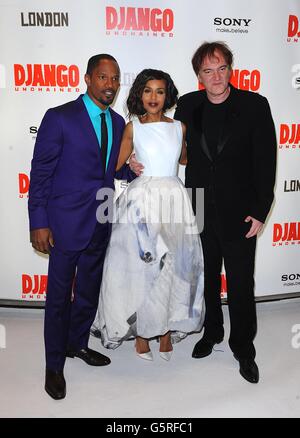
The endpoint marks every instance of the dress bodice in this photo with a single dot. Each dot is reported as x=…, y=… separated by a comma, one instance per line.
x=157, y=146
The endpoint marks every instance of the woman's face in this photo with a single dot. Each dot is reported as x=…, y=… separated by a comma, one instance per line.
x=154, y=96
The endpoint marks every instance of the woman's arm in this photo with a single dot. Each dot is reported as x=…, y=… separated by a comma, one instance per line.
x=183, y=156
x=126, y=145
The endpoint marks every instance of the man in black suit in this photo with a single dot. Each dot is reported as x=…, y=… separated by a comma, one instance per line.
x=231, y=144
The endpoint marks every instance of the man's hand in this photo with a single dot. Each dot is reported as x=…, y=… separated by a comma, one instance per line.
x=256, y=227
x=135, y=166
x=41, y=238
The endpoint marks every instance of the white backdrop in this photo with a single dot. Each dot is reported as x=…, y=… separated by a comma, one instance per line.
x=44, y=48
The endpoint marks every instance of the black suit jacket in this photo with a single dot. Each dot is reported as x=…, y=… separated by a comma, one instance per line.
x=241, y=178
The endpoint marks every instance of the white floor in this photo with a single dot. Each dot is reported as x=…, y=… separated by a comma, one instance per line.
x=132, y=388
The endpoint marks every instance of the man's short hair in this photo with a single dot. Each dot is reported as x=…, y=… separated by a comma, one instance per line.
x=208, y=49
x=94, y=61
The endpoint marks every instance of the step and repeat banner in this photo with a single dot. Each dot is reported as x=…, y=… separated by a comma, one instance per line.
x=44, y=49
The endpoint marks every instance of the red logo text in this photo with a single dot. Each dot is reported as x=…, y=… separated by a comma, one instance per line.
x=246, y=79
x=34, y=286
x=293, y=29
x=286, y=234
x=23, y=185
x=289, y=136
x=50, y=77
x=138, y=21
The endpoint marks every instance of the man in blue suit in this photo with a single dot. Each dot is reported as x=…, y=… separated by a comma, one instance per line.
x=75, y=155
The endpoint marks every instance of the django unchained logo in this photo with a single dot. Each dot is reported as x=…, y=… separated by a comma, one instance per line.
x=46, y=77
x=23, y=185
x=289, y=136
x=246, y=79
x=293, y=29
x=139, y=22
x=286, y=234
x=34, y=287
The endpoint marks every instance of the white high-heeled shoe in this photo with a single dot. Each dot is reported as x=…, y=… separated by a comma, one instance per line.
x=146, y=356
x=166, y=355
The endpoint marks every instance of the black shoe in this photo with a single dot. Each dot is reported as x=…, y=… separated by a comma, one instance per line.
x=204, y=347
x=55, y=384
x=91, y=357
x=248, y=370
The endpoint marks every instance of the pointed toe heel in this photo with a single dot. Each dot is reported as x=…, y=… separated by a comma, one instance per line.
x=145, y=356
x=166, y=355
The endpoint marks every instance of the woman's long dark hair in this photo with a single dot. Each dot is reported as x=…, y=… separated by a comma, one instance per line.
x=134, y=101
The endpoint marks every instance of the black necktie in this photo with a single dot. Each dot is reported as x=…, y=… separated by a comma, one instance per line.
x=103, y=140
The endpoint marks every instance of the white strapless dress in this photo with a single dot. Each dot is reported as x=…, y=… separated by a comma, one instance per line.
x=153, y=276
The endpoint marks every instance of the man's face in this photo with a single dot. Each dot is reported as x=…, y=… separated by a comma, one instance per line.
x=103, y=83
x=215, y=75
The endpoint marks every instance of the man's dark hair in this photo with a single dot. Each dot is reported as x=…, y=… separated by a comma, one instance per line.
x=208, y=49
x=94, y=61
x=134, y=101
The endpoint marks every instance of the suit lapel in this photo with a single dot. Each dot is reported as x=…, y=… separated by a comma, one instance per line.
x=197, y=122
x=87, y=126
x=205, y=147
x=231, y=118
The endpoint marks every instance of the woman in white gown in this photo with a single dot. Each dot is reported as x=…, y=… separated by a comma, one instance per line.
x=153, y=278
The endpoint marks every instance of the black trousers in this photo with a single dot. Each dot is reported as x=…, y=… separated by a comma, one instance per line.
x=239, y=258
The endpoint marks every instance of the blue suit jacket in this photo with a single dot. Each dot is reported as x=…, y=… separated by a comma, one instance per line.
x=67, y=172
